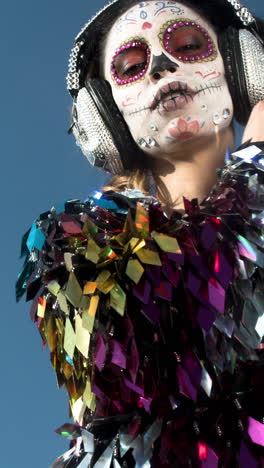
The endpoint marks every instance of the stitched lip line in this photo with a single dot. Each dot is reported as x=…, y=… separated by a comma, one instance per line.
x=212, y=88
x=169, y=89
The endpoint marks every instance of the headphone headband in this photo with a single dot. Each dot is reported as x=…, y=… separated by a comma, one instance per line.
x=242, y=12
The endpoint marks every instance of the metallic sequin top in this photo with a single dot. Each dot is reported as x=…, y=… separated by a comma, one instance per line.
x=155, y=324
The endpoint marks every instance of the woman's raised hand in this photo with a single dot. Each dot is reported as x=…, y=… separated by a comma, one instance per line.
x=255, y=127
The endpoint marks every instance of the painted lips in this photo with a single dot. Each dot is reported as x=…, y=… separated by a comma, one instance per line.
x=172, y=96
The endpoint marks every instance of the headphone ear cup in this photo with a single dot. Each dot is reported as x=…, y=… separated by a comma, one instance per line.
x=230, y=49
x=92, y=136
x=252, y=51
x=243, y=56
x=101, y=131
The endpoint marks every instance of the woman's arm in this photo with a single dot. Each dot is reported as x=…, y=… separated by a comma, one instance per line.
x=255, y=127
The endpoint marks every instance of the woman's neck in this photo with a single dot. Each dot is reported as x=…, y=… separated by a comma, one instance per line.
x=191, y=173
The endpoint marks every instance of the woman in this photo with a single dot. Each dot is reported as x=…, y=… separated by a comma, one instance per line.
x=152, y=305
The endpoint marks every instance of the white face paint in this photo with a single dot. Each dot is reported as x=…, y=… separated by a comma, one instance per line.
x=169, y=81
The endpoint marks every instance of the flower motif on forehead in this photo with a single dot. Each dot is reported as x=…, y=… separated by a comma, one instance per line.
x=187, y=41
x=124, y=74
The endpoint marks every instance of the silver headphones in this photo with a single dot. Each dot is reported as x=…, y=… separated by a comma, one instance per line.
x=99, y=127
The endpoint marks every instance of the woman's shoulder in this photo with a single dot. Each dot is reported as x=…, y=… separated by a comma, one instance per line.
x=66, y=227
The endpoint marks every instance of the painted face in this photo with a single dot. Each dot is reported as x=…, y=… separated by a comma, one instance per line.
x=167, y=75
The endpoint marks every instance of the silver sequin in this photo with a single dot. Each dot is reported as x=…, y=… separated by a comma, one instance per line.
x=217, y=118
x=226, y=114
x=151, y=142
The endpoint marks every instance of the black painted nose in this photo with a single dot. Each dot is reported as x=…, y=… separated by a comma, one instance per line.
x=160, y=64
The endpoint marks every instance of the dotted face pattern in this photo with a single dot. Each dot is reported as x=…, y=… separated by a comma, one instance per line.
x=185, y=40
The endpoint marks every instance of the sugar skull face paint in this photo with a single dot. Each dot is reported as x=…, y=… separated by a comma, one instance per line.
x=166, y=74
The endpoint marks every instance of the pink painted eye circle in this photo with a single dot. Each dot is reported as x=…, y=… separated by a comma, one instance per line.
x=188, y=41
x=130, y=62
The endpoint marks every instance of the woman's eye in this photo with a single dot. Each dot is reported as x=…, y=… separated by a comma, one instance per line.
x=188, y=47
x=133, y=70
x=183, y=41
x=188, y=41
x=130, y=62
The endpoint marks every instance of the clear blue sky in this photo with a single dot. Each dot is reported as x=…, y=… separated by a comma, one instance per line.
x=40, y=166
